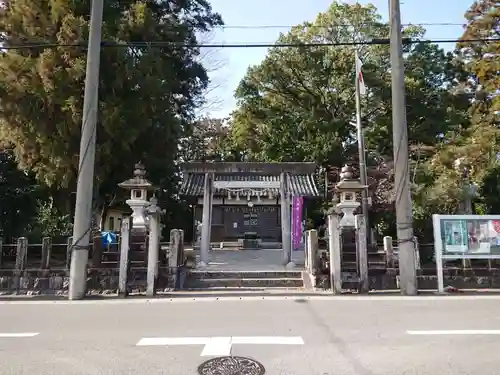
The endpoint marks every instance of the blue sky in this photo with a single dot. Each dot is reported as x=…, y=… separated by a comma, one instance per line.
x=229, y=65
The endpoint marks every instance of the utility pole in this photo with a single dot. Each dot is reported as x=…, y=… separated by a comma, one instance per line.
x=404, y=215
x=361, y=151
x=85, y=183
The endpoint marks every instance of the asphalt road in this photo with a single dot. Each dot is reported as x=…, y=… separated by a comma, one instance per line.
x=347, y=336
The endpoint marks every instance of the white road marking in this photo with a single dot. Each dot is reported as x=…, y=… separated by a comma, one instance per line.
x=457, y=332
x=172, y=341
x=24, y=334
x=217, y=346
x=273, y=340
x=220, y=345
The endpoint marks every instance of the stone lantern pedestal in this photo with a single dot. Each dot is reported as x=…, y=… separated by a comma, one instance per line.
x=342, y=220
x=142, y=230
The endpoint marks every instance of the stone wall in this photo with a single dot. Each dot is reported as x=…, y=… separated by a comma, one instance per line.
x=100, y=281
x=462, y=279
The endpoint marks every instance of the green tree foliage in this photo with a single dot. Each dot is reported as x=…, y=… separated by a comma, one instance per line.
x=50, y=222
x=209, y=140
x=18, y=194
x=490, y=189
x=476, y=146
x=147, y=92
x=299, y=103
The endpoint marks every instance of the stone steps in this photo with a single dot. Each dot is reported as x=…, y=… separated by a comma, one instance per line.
x=246, y=289
x=349, y=261
x=200, y=274
x=225, y=280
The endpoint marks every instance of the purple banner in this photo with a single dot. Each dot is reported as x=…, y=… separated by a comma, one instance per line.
x=297, y=203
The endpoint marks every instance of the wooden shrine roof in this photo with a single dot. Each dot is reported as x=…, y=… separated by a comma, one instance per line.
x=300, y=185
x=249, y=167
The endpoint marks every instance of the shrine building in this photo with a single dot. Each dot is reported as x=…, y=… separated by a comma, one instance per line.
x=234, y=199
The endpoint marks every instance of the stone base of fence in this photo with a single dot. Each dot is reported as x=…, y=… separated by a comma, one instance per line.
x=104, y=281
x=466, y=279
x=99, y=281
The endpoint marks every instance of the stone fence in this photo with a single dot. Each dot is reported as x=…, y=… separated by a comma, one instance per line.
x=474, y=274
x=44, y=268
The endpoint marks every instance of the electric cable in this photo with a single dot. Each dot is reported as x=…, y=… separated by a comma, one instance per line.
x=159, y=44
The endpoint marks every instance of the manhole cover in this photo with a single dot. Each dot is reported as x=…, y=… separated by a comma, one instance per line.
x=231, y=366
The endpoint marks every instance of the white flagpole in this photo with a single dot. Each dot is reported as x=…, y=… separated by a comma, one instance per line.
x=361, y=145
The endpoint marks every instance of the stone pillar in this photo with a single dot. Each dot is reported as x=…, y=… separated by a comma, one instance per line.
x=174, y=248
x=389, y=251
x=176, y=254
x=206, y=220
x=210, y=213
x=307, y=250
x=417, y=253
x=46, y=250
x=285, y=220
x=21, y=253
x=125, y=241
x=335, y=248
x=198, y=235
x=153, y=247
x=311, y=250
x=362, y=254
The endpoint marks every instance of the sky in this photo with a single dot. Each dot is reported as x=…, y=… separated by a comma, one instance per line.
x=243, y=20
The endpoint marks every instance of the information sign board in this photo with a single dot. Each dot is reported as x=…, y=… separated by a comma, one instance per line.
x=465, y=237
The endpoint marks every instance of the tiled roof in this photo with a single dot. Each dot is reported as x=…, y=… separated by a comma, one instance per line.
x=300, y=185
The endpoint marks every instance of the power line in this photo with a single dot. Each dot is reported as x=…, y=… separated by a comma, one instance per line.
x=254, y=27
x=153, y=44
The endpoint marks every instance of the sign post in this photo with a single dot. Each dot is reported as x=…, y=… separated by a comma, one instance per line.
x=464, y=237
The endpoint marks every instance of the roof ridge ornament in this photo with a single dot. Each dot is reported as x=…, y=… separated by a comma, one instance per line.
x=346, y=173
x=139, y=181
x=140, y=170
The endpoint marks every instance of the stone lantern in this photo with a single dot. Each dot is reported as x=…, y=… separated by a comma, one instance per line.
x=139, y=187
x=347, y=189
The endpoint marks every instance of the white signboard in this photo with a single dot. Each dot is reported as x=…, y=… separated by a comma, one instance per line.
x=465, y=237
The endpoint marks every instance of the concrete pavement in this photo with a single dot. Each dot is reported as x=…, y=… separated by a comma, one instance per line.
x=361, y=336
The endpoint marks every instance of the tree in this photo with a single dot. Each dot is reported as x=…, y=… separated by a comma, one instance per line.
x=298, y=104
x=49, y=222
x=477, y=145
x=149, y=88
x=18, y=194
x=213, y=60
x=209, y=140
x=482, y=58
x=306, y=95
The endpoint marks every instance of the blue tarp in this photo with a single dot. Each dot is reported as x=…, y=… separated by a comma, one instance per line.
x=108, y=238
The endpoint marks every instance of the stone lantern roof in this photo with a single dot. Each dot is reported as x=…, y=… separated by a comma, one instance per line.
x=347, y=182
x=139, y=180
